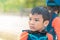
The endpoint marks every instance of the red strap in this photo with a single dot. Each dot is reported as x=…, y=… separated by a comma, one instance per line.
x=24, y=36
x=50, y=37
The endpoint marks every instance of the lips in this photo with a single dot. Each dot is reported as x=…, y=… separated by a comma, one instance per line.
x=32, y=27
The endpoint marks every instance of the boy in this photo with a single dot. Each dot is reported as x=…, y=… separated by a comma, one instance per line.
x=38, y=21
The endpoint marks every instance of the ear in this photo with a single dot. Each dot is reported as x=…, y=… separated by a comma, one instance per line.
x=46, y=23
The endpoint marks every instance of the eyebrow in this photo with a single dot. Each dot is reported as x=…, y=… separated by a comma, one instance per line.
x=36, y=18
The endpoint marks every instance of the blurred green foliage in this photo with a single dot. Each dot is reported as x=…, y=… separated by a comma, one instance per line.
x=33, y=3
x=17, y=5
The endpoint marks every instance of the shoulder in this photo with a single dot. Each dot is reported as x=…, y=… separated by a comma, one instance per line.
x=24, y=35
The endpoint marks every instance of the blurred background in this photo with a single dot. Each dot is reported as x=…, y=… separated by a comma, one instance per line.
x=16, y=6
x=14, y=17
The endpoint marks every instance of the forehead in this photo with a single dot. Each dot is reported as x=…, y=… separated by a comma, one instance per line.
x=35, y=16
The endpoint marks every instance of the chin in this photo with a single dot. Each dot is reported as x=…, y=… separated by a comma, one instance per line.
x=33, y=30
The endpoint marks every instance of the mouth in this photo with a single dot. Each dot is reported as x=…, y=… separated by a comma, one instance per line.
x=32, y=27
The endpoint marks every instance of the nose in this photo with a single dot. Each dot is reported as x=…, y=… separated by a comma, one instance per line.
x=31, y=22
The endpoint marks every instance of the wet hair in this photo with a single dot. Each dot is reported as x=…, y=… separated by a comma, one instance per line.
x=41, y=11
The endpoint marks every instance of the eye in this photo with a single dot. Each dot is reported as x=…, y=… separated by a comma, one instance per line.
x=36, y=20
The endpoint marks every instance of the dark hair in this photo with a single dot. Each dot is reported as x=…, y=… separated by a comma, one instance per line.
x=41, y=11
x=54, y=8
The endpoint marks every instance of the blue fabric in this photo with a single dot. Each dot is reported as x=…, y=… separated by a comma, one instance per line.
x=49, y=28
x=54, y=3
x=57, y=2
x=35, y=36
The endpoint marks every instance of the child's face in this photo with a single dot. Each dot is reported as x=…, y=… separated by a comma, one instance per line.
x=36, y=22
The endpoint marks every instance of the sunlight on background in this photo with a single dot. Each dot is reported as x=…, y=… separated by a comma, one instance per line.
x=11, y=26
x=1, y=39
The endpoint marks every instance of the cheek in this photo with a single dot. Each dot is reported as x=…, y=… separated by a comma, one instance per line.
x=39, y=25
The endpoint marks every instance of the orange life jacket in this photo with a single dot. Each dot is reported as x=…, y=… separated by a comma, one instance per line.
x=24, y=36
x=56, y=26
